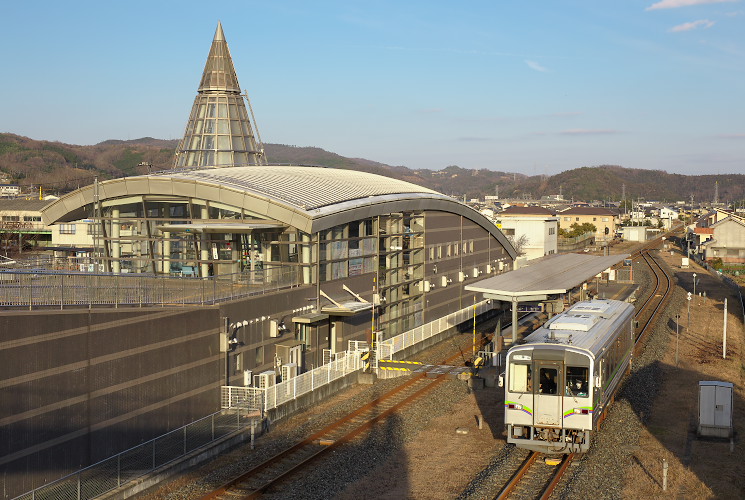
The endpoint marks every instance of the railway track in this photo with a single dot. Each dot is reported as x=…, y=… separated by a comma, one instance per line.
x=536, y=478
x=272, y=472
x=655, y=303
x=293, y=460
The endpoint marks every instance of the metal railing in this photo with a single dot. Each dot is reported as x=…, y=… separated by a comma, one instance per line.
x=386, y=349
x=113, y=472
x=36, y=289
x=253, y=398
x=287, y=390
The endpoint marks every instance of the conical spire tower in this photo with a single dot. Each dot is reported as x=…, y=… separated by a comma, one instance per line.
x=220, y=130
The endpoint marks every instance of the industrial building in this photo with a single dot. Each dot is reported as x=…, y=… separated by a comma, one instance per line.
x=313, y=257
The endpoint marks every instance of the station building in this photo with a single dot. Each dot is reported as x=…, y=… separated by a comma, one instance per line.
x=315, y=257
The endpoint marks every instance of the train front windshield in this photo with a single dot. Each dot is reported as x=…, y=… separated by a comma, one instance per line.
x=577, y=381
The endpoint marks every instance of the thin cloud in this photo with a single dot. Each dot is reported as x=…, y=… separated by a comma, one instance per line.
x=534, y=65
x=701, y=23
x=732, y=136
x=474, y=139
x=582, y=131
x=674, y=4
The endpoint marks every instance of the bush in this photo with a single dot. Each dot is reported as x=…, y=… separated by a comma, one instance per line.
x=716, y=263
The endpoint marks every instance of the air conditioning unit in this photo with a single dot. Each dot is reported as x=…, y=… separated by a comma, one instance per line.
x=266, y=379
x=247, y=378
x=489, y=269
x=289, y=371
x=462, y=276
x=476, y=272
x=444, y=281
x=425, y=286
x=501, y=266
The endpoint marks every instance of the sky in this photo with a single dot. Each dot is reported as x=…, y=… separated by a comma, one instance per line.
x=535, y=87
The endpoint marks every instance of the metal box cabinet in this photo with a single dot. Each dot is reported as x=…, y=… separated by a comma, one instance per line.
x=715, y=409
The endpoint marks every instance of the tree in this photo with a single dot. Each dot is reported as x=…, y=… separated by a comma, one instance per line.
x=577, y=230
x=519, y=242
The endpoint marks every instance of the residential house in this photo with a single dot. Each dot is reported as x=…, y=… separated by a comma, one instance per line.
x=533, y=230
x=603, y=219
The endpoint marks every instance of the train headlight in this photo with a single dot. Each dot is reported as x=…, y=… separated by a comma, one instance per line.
x=515, y=406
x=581, y=411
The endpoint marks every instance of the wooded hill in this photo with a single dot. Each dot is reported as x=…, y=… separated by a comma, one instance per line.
x=62, y=167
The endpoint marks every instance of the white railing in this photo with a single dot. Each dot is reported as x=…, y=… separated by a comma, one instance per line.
x=287, y=390
x=385, y=349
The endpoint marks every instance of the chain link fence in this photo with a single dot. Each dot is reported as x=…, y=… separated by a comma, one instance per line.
x=46, y=288
x=113, y=472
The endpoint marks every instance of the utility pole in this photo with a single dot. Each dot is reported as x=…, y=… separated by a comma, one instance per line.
x=724, y=332
x=677, y=337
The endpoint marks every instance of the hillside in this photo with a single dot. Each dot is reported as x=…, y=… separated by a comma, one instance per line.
x=62, y=167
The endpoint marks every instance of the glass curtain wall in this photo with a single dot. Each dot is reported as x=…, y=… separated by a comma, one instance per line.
x=392, y=246
x=136, y=240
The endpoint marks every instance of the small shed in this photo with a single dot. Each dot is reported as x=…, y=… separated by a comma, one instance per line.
x=715, y=409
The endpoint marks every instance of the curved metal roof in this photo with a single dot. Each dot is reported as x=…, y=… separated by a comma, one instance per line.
x=305, y=188
x=309, y=198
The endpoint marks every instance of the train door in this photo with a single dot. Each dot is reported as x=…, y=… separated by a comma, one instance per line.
x=547, y=409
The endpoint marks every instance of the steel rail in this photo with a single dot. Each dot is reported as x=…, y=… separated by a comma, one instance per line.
x=228, y=489
x=551, y=486
x=517, y=476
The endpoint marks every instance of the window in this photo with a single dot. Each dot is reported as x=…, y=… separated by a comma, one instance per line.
x=259, y=355
x=577, y=219
x=548, y=378
x=577, y=381
x=567, y=219
x=11, y=218
x=594, y=219
x=67, y=229
x=551, y=230
x=520, y=378
x=605, y=219
x=508, y=232
x=31, y=218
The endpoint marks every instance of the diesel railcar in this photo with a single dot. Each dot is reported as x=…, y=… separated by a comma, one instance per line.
x=561, y=379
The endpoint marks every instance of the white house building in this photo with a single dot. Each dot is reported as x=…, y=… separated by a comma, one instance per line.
x=532, y=230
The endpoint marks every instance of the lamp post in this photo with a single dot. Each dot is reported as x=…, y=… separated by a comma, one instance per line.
x=688, y=323
x=694, y=284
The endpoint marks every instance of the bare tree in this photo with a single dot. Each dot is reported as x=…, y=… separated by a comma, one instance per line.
x=519, y=242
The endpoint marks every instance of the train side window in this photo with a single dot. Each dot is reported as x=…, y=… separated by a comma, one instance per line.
x=520, y=378
x=577, y=381
x=548, y=377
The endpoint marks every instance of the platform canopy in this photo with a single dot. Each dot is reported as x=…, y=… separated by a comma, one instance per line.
x=550, y=275
x=541, y=278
